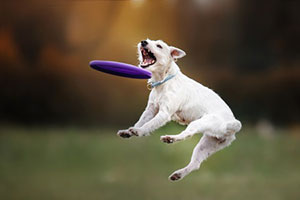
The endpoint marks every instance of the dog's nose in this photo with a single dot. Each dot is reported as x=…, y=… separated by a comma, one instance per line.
x=144, y=43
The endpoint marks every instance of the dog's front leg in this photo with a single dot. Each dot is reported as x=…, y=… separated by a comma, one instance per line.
x=158, y=121
x=147, y=115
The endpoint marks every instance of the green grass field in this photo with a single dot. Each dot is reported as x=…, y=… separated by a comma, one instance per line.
x=70, y=163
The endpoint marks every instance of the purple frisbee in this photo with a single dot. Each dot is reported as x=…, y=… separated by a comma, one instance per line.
x=120, y=69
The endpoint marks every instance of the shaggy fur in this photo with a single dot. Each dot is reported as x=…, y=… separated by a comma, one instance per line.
x=185, y=101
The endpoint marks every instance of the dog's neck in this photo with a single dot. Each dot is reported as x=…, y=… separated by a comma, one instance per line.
x=161, y=75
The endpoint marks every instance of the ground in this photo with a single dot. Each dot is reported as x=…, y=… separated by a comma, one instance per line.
x=76, y=163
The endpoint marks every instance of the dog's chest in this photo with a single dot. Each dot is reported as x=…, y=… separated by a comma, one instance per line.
x=186, y=110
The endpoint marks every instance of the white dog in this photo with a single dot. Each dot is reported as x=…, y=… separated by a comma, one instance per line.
x=175, y=96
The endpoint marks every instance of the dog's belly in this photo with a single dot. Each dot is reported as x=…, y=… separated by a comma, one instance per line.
x=182, y=118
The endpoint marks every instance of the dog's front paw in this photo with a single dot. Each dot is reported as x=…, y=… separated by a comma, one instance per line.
x=167, y=139
x=136, y=131
x=124, y=133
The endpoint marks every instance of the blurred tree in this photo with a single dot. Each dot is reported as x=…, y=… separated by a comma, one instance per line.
x=244, y=50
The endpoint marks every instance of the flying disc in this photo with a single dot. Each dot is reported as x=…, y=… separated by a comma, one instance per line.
x=120, y=69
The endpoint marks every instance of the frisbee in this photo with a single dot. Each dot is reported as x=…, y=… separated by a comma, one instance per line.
x=120, y=69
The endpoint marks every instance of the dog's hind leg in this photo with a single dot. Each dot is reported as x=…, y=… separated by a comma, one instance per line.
x=208, y=123
x=206, y=147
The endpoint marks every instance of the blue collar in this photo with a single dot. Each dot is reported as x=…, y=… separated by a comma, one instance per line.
x=152, y=85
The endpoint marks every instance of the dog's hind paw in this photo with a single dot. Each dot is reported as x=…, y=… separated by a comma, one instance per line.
x=167, y=139
x=175, y=177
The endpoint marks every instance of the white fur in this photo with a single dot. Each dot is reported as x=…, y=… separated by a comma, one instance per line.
x=187, y=102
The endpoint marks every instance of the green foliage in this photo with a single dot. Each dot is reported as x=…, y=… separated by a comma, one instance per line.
x=74, y=163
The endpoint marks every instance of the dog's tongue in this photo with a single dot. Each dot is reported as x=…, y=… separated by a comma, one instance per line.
x=149, y=61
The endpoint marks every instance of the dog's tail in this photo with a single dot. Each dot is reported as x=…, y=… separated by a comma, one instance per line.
x=233, y=126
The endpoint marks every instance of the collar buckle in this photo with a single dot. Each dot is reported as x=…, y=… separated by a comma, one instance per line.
x=149, y=86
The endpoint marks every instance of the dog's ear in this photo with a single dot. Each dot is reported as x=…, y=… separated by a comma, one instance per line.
x=176, y=53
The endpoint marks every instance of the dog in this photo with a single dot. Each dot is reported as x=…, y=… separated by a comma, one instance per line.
x=174, y=96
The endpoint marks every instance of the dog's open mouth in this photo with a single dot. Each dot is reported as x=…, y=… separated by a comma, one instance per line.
x=148, y=57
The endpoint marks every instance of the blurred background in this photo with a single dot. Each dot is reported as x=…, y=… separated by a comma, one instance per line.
x=59, y=117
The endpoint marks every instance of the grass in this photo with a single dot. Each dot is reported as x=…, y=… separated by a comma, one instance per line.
x=70, y=163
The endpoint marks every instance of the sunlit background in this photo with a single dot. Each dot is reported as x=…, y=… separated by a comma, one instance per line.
x=59, y=117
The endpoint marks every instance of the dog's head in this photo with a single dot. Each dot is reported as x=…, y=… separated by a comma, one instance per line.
x=156, y=55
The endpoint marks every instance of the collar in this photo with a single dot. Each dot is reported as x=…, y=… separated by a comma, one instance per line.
x=152, y=85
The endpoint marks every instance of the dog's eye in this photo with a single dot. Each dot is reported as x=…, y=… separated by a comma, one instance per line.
x=159, y=46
